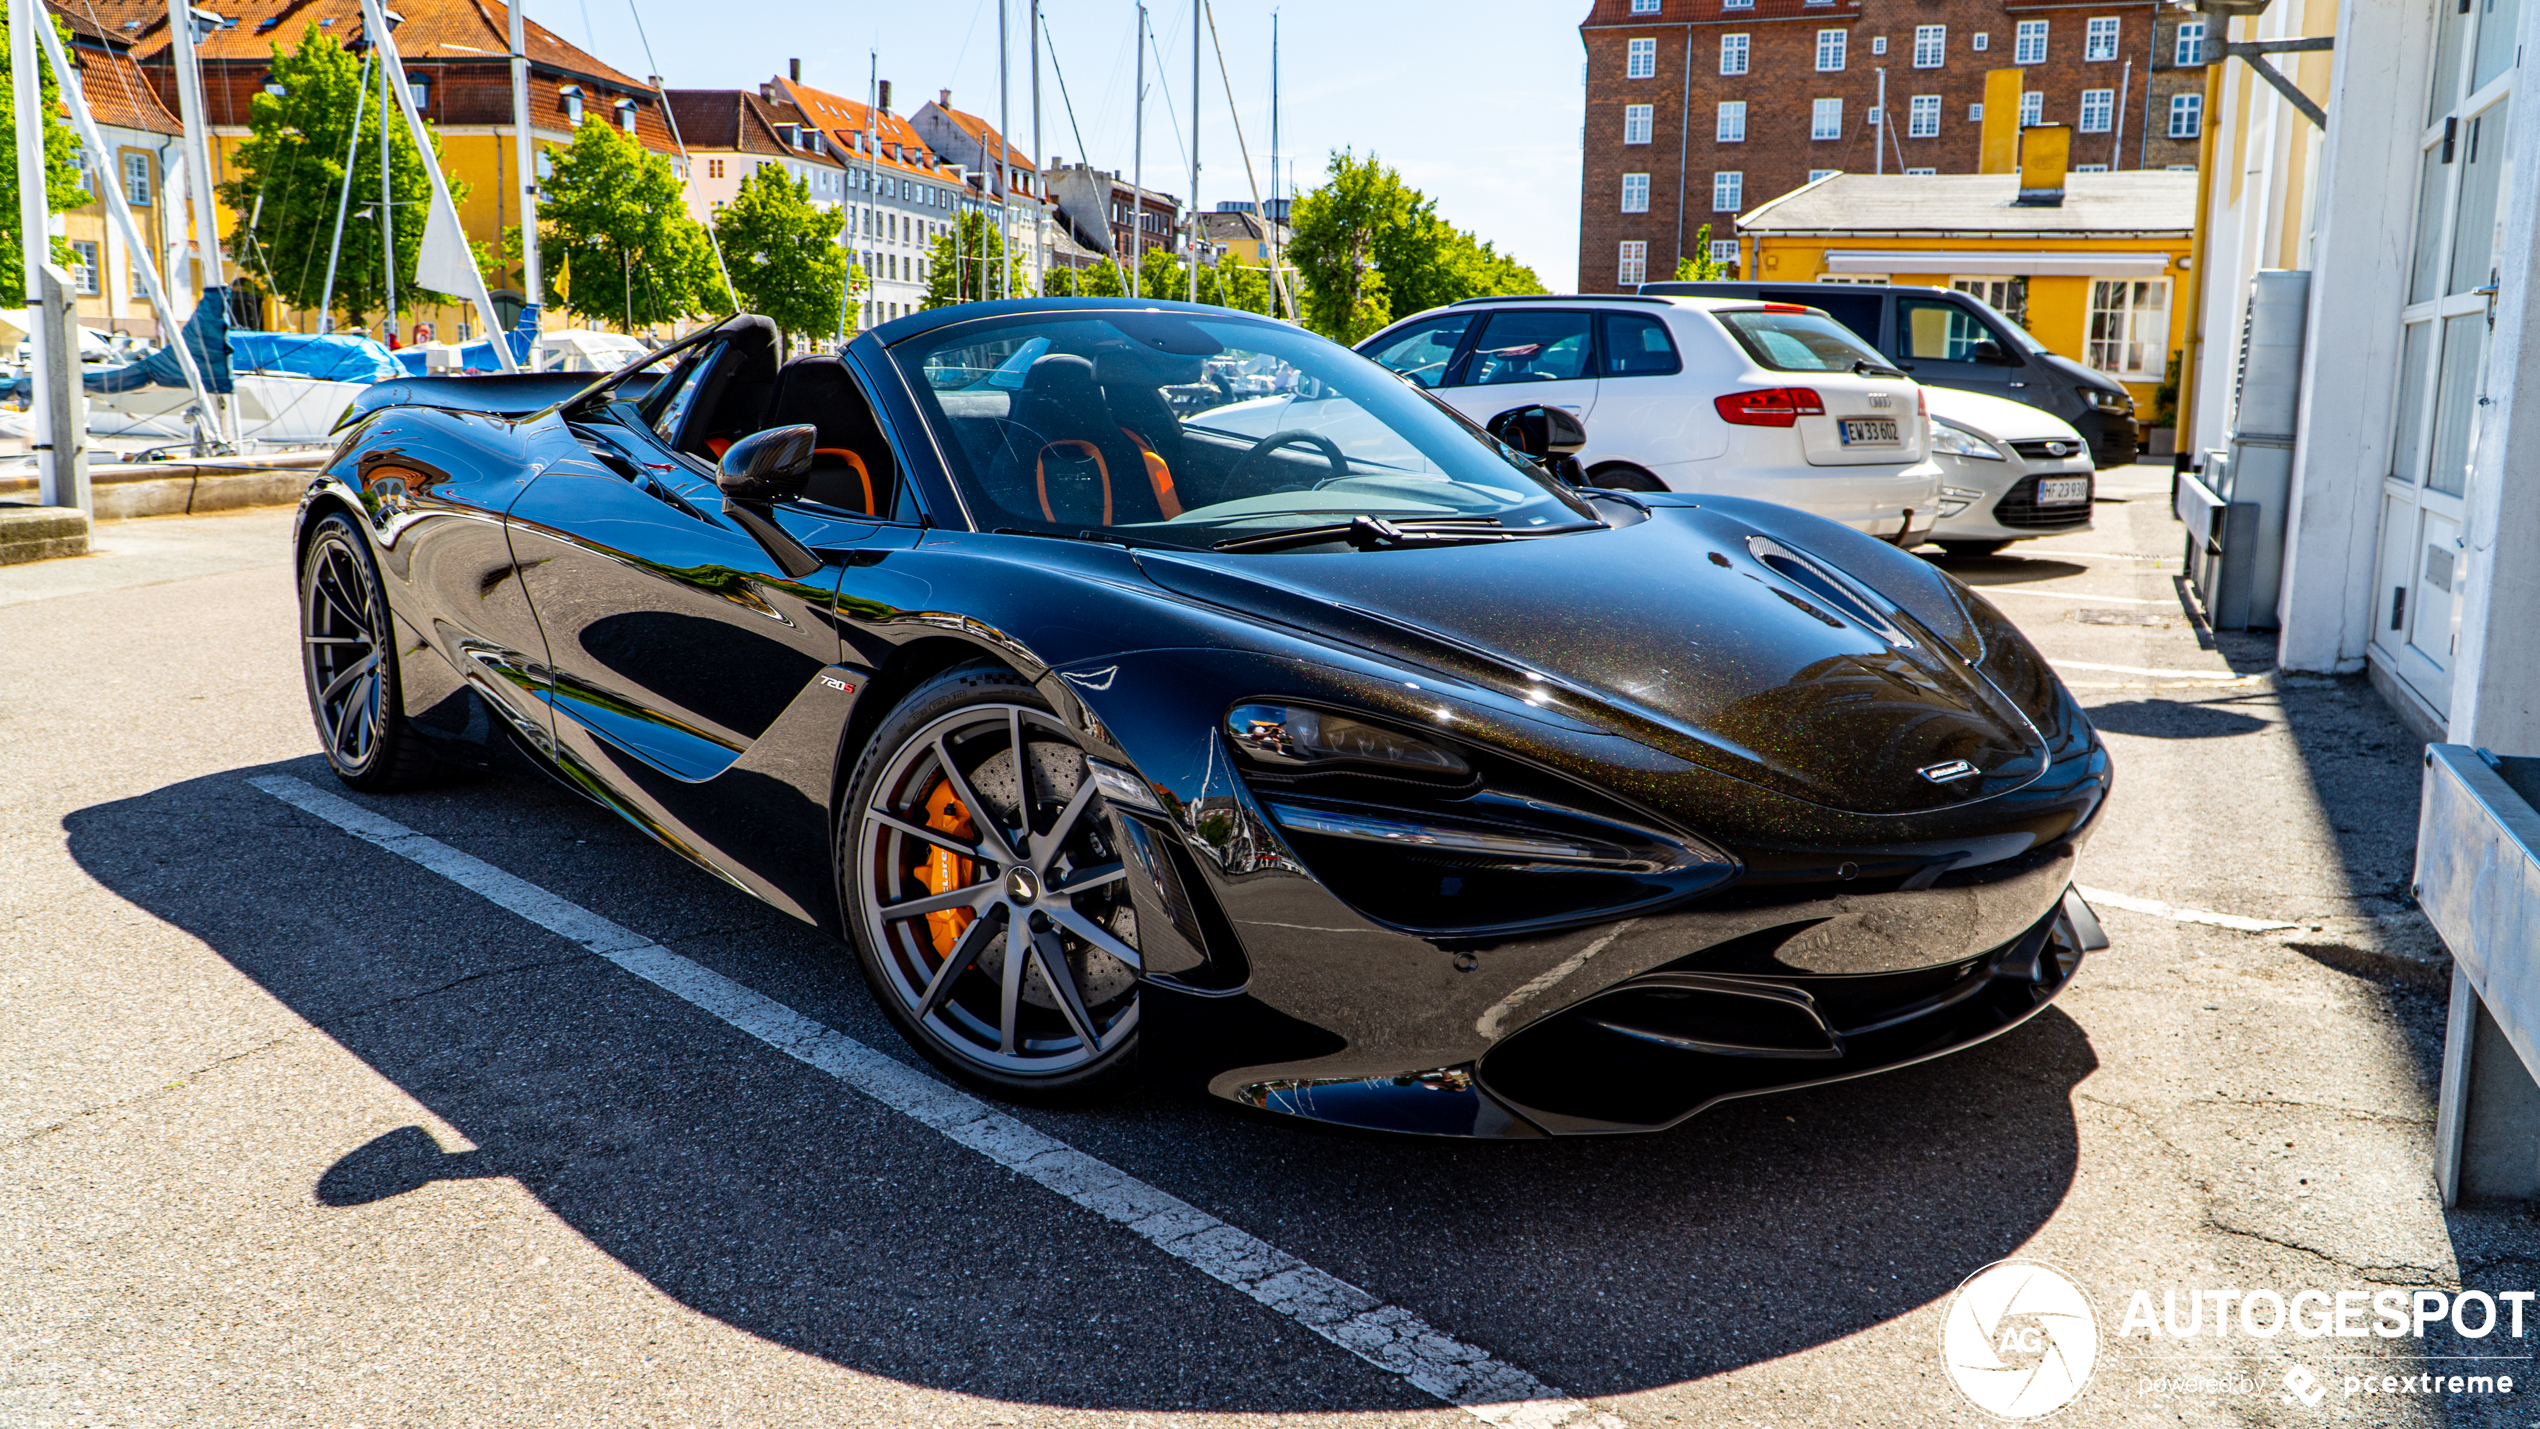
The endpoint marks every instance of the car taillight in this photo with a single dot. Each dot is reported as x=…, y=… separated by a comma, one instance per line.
x=1769, y=406
x=1922, y=404
x=1785, y=308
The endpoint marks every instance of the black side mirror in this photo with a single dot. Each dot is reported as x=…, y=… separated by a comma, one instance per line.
x=772, y=465
x=1987, y=350
x=1542, y=433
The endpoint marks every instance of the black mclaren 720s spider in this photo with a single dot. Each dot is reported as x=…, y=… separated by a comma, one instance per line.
x=1141, y=686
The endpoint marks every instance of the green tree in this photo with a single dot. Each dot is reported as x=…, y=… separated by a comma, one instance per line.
x=962, y=258
x=783, y=254
x=614, y=229
x=1230, y=284
x=1699, y=266
x=1101, y=280
x=63, y=186
x=1371, y=248
x=290, y=177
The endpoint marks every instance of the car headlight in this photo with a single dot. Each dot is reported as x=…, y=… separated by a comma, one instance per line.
x=2106, y=401
x=1954, y=499
x=1959, y=442
x=1298, y=739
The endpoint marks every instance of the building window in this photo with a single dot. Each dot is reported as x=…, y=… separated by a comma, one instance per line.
x=1635, y=193
x=626, y=115
x=1644, y=7
x=2187, y=116
x=136, y=179
x=1728, y=191
x=1975, y=114
x=1642, y=59
x=1913, y=172
x=1878, y=44
x=1829, y=50
x=1980, y=41
x=419, y=89
x=1733, y=54
x=1931, y=46
x=2098, y=106
x=1631, y=264
x=2099, y=42
x=1816, y=174
x=2129, y=326
x=2090, y=168
x=2032, y=109
x=84, y=268
x=1922, y=117
x=571, y=97
x=2190, y=47
x=1636, y=123
x=2028, y=43
x=1731, y=128
x=714, y=169
x=1724, y=250
x=1825, y=119
x=1737, y=4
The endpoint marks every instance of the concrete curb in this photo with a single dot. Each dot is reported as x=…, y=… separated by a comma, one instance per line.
x=122, y=490
x=40, y=533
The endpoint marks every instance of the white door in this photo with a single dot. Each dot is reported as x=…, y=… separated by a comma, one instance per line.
x=2442, y=374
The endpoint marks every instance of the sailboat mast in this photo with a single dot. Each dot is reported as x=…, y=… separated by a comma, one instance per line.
x=1005, y=161
x=387, y=187
x=1274, y=166
x=1040, y=197
x=1193, y=241
x=343, y=201
x=524, y=159
x=198, y=176
x=1138, y=163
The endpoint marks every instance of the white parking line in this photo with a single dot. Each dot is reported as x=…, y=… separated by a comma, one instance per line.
x=2068, y=595
x=1388, y=1337
x=2176, y=914
x=2148, y=670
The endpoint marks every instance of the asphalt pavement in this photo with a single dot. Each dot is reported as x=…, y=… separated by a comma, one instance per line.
x=303, y=1125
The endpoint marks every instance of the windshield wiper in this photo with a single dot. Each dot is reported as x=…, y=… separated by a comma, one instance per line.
x=1106, y=538
x=1864, y=367
x=1370, y=533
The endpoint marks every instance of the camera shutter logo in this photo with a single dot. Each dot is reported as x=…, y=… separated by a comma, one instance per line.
x=2019, y=1339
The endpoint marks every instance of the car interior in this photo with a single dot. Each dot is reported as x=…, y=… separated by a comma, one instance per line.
x=741, y=388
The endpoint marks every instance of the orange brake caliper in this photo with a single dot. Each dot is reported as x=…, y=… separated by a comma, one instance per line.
x=946, y=870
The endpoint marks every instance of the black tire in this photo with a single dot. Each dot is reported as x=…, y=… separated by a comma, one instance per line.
x=348, y=660
x=1970, y=550
x=1048, y=1013
x=1622, y=476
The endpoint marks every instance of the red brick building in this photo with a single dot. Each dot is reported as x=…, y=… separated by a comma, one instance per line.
x=1698, y=110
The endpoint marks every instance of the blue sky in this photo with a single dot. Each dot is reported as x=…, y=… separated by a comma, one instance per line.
x=1476, y=102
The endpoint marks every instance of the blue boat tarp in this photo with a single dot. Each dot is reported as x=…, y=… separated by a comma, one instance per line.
x=332, y=357
x=478, y=356
x=207, y=333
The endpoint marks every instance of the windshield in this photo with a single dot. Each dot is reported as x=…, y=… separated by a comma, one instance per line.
x=1797, y=341
x=1194, y=430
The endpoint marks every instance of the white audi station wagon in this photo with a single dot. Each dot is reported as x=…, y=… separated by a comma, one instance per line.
x=1773, y=401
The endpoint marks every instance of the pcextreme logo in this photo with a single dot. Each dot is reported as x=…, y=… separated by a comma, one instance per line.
x=2019, y=1339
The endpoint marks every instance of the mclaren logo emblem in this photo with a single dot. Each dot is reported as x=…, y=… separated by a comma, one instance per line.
x=1953, y=770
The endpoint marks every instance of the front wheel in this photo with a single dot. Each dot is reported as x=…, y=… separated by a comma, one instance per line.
x=986, y=901
x=348, y=659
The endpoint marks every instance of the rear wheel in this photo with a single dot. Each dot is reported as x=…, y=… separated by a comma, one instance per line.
x=1971, y=550
x=983, y=893
x=348, y=658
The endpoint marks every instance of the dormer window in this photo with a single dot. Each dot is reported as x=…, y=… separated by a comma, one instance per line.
x=420, y=87
x=569, y=99
x=626, y=115
x=786, y=134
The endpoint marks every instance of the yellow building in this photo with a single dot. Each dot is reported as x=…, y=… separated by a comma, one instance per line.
x=2093, y=265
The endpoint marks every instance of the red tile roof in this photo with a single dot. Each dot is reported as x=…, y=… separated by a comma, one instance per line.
x=896, y=147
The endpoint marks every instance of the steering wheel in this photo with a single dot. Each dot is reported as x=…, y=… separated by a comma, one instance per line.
x=1293, y=435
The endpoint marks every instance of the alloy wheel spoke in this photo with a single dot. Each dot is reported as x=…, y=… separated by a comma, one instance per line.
x=1022, y=769
x=1096, y=934
x=329, y=587
x=365, y=725
x=974, y=941
x=343, y=726
x=969, y=896
x=933, y=836
x=1018, y=946
x=358, y=669
x=982, y=818
x=347, y=580
x=1071, y=1000
x=1067, y=817
x=1088, y=879
x=335, y=639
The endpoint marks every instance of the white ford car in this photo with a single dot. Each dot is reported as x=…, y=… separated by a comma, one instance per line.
x=2008, y=472
x=1725, y=396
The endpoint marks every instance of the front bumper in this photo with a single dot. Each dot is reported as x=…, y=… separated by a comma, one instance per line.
x=1656, y=1049
x=2115, y=438
x=2008, y=510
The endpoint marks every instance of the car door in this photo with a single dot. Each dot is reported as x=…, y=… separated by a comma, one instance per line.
x=1935, y=343
x=1425, y=351
x=696, y=685
x=1527, y=356
x=1645, y=413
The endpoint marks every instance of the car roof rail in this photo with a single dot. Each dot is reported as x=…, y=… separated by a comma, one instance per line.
x=1562, y=298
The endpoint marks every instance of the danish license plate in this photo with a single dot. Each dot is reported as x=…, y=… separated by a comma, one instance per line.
x=1869, y=431
x=2063, y=490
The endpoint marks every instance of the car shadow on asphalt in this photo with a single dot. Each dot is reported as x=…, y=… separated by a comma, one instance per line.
x=759, y=1192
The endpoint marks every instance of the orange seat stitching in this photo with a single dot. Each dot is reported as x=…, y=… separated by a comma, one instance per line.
x=1041, y=480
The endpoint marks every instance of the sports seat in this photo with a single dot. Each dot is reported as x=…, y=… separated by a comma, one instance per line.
x=1064, y=459
x=851, y=465
x=732, y=401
